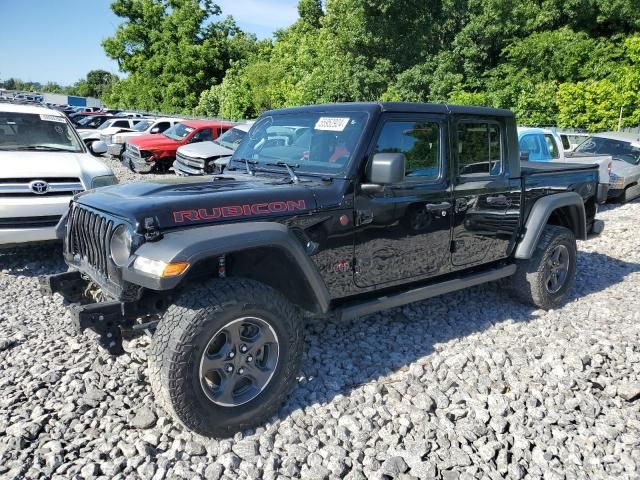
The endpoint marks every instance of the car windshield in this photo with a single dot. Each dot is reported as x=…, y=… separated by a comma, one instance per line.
x=178, y=132
x=617, y=148
x=28, y=131
x=143, y=125
x=106, y=124
x=231, y=138
x=86, y=119
x=309, y=142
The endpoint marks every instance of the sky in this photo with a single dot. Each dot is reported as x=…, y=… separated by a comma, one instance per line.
x=60, y=40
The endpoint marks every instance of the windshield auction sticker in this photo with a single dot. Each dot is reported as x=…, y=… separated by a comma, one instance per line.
x=52, y=118
x=332, y=124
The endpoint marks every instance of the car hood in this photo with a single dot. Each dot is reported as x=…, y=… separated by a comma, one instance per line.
x=35, y=165
x=205, y=150
x=193, y=202
x=154, y=142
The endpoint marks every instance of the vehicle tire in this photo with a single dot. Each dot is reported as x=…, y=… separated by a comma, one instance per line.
x=630, y=193
x=234, y=324
x=547, y=277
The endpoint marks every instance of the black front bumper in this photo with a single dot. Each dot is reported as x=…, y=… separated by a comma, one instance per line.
x=107, y=319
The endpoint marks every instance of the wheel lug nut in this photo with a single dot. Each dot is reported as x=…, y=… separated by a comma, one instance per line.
x=243, y=348
x=249, y=358
x=232, y=354
x=229, y=368
x=241, y=371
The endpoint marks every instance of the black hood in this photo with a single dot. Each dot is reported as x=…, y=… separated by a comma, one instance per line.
x=191, y=202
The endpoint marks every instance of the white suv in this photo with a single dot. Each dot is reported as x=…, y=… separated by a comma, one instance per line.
x=44, y=163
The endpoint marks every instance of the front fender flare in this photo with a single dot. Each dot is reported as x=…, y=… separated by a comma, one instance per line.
x=198, y=243
x=539, y=216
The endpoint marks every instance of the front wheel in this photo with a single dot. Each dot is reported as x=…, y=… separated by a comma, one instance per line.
x=546, y=278
x=225, y=356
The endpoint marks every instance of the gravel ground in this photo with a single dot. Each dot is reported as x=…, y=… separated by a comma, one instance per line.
x=468, y=385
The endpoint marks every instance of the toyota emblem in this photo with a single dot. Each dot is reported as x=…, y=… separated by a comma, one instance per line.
x=39, y=187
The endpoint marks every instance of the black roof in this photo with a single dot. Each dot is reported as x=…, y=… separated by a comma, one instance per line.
x=372, y=107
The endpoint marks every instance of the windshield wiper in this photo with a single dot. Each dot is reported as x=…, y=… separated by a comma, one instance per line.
x=45, y=148
x=292, y=174
x=247, y=162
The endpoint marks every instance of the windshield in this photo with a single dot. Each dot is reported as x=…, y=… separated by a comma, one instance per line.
x=143, y=125
x=618, y=149
x=85, y=120
x=309, y=142
x=178, y=132
x=231, y=138
x=28, y=131
x=106, y=124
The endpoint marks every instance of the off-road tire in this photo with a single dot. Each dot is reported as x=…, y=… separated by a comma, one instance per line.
x=528, y=283
x=630, y=193
x=184, y=332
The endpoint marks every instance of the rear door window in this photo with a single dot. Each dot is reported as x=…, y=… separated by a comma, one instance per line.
x=479, y=149
x=552, y=146
x=535, y=145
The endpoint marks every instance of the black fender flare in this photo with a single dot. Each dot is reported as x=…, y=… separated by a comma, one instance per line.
x=540, y=214
x=195, y=244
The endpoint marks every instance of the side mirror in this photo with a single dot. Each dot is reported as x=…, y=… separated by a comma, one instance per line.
x=99, y=147
x=524, y=156
x=155, y=130
x=387, y=168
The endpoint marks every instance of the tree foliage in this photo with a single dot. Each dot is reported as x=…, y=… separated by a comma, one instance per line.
x=171, y=51
x=553, y=62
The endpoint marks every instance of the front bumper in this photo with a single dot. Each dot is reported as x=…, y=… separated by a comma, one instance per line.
x=115, y=149
x=136, y=164
x=183, y=170
x=109, y=319
x=30, y=219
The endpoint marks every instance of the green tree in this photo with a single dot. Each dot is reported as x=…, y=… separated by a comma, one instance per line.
x=172, y=51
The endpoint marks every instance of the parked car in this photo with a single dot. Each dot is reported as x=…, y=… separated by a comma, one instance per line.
x=115, y=141
x=157, y=152
x=89, y=136
x=373, y=206
x=44, y=163
x=542, y=145
x=129, y=114
x=625, y=171
x=90, y=122
x=207, y=157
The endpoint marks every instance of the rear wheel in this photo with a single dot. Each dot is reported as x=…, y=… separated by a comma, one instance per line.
x=546, y=279
x=225, y=356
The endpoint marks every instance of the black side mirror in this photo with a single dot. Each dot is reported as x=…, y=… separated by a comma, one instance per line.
x=387, y=168
x=524, y=156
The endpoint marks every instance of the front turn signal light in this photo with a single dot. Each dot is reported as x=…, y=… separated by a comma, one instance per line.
x=158, y=268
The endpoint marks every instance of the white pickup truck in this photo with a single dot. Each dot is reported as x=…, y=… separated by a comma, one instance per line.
x=44, y=163
x=115, y=139
x=109, y=127
x=543, y=145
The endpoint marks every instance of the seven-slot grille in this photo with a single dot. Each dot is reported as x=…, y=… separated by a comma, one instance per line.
x=88, y=236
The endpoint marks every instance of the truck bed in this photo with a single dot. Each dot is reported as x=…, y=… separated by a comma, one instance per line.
x=533, y=168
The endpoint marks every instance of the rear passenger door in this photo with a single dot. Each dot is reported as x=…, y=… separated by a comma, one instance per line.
x=404, y=231
x=486, y=202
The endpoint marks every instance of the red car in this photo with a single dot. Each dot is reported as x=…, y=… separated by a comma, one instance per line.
x=157, y=152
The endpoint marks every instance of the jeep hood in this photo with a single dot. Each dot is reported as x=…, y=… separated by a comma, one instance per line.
x=192, y=201
x=154, y=142
x=205, y=150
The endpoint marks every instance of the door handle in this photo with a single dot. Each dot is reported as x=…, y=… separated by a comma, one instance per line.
x=437, y=207
x=498, y=201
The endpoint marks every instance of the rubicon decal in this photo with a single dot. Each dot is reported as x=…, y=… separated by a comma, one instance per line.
x=238, y=211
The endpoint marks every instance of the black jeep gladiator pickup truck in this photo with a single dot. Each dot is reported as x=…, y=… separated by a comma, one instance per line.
x=342, y=209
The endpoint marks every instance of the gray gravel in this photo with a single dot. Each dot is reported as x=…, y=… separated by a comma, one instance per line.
x=468, y=385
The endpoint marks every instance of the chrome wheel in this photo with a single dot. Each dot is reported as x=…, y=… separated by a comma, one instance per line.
x=557, y=269
x=239, y=361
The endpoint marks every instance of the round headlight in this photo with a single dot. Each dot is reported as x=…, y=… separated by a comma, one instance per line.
x=121, y=245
